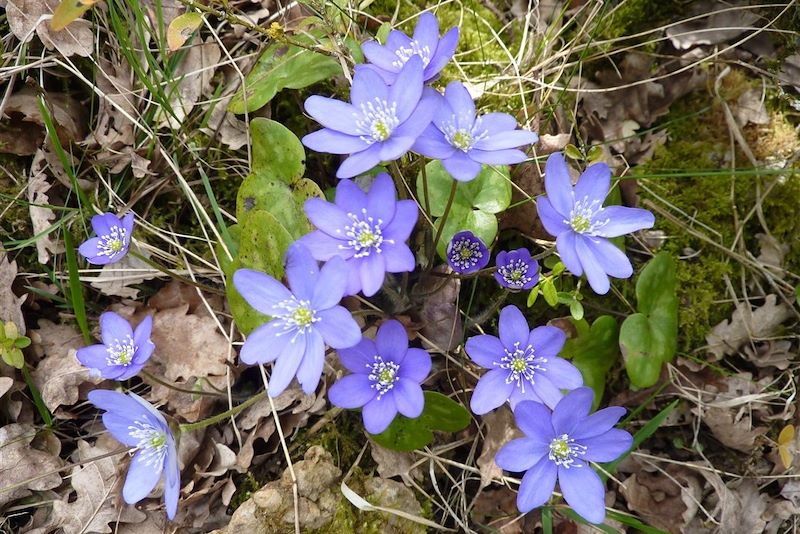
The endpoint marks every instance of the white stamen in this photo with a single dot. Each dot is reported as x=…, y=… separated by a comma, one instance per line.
x=152, y=442
x=364, y=235
x=564, y=450
x=383, y=375
x=378, y=120
x=522, y=365
x=121, y=352
x=583, y=216
x=414, y=49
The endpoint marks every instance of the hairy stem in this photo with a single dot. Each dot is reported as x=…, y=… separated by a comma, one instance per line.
x=188, y=427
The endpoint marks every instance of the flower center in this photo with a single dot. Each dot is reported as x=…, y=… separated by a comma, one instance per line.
x=522, y=365
x=378, y=120
x=121, y=352
x=151, y=441
x=112, y=243
x=564, y=450
x=404, y=53
x=364, y=235
x=461, y=136
x=582, y=217
x=382, y=374
x=462, y=140
x=515, y=273
x=297, y=316
x=465, y=254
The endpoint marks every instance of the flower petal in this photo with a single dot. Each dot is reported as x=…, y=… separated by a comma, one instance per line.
x=496, y=122
x=302, y=271
x=141, y=335
x=378, y=414
x=547, y=341
x=421, y=118
x=398, y=259
x=260, y=290
x=608, y=446
x=327, y=217
x=120, y=404
x=537, y=485
x=518, y=395
x=367, y=85
x=513, y=328
x=127, y=223
x=373, y=271
x=507, y=139
x=567, y=251
x=264, y=344
x=416, y=365
x=382, y=198
x=611, y=259
x=563, y=374
x=444, y=52
x=379, y=55
x=360, y=162
x=461, y=167
x=622, y=220
x=485, y=350
x=407, y=89
x=597, y=277
x=93, y=357
x=497, y=157
x=432, y=143
x=520, y=454
x=571, y=410
x=141, y=479
x=360, y=357
x=324, y=247
x=119, y=427
x=114, y=328
x=310, y=370
x=392, y=341
x=104, y=222
x=172, y=488
x=552, y=221
x=594, y=183
x=350, y=197
x=403, y=222
x=462, y=104
x=408, y=398
x=584, y=492
x=394, y=147
x=491, y=391
x=598, y=423
x=533, y=418
x=89, y=249
x=426, y=32
x=330, y=284
x=558, y=184
x=547, y=391
x=352, y=391
x=286, y=365
x=333, y=114
x=333, y=142
x=338, y=328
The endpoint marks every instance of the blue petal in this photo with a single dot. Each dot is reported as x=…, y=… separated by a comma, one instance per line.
x=334, y=114
x=491, y=391
x=127, y=223
x=444, y=51
x=566, y=246
x=350, y=197
x=407, y=89
x=558, y=184
x=533, y=418
x=497, y=157
x=408, y=398
x=398, y=258
x=392, y=341
x=462, y=104
x=598, y=423
x=421, y=118
x=103, y=223
x=608, y=446
x=622, y=220
x=264, y=344
x=547, y=391
x=379, y=56
x=461, y=167
x=367, y=86
x=513, y=328
x=302, y=271
x=537, y=485
x=416, y=365
x=310, y=370
x=484, y=350
x=547, y=341
x=519, y=395
x=382, y=198
x=260, y=290
x=121, y=405
x=93, y=357
x=113, y=328
x=520, y=454
x=325, y=247
x=432, y=143
x=595, y=273
x=352, y=391
x=119, y=427
x=563, y=374
x=594, y=183
x=373, y=271
x=507, y=139
x=496, y=122
x=154, y=416
x=584, y=492
x=89, y=250
x=360, y=162
x=141, y=479
x=359, y=358
x=379, y=413
x=426, y=32
x=394, y=147
x=172, y=488
x=338, y=328
x=330, y=284
x=552, y=221
x=611, y=259
x=333, y=142
x=327, y=217
x=402, y=223
x=286, y=365
x=571, y=410
x=141, y=336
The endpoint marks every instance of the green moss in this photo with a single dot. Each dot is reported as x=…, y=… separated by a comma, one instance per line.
x=245, y=487
x=343, y=438
x=634, y=16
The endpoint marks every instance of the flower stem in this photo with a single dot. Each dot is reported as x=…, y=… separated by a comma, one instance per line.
x=188, y=427
x=443, y=218
x=173, y=387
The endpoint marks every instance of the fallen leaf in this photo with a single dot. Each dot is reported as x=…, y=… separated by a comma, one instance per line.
x=553, y=143
x=66, y=113
x=114, y=128
x=733, y=428
x=751, y=107
x=42, y=217
x=773, y=353
x=772, y=254
x=116, y=279
x=27, y=16
x=790, y=72
x=23, y=467
x=393, y=463
x=181, y=28
x=746, y=324
x=10, y=304
x=438, y=313
x=69, y=10
x=499, y=429
x=191, y=78
x=720, y=26
x=5, y=384
x=786, y=445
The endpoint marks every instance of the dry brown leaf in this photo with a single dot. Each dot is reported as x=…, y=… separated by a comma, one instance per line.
x=746, y=324
x=116, y=279
x=790, y=71
x=778, y=354
x=10, y=304
x=192, y=78
x=27, y=16
x=393, y=463
x=772, y=254
x=6, y=383
x=497, y=507
x=499, y=430
x=751, y=107
x=438, y=314
x=733, y=429
x=67, y=114
x=719, y=27
x=553, y=143
x=23, y=467
x=42, y=218
x=114, y=129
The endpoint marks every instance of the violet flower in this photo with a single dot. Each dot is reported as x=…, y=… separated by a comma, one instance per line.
x=304, y=319
x=386, y=378
x=582, y=225
x=463, y=141
x=123, y=352
x=523, y=364
x=388, y=60
x=380, y=124
x=466, y=253
x=136, y=423
x=559, y=446
x=368, y=230
x=112, y=241
x=516, y=269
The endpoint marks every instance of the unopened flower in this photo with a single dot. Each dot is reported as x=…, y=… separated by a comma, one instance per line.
x=368, y=230
x=381, y=122
x=582, y=226
x=112, y=241
x=466, y=253
x=386, y=378
x=135, y=423
x=560, y=446
x=387, y=60
x=523, y=364
x=516, y=269
x=464, y=142
x=123, y=352
x=304, y=319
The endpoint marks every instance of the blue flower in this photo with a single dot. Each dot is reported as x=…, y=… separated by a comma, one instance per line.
x=380, y=124
x=386, y=378
x=559, y=446
x=123, y=352
x=516, y=269
x=466, y=253
x=463, y=141
x=582, y=226
x=388, y=60
x=112, y=241
x=135, y=423
x=304, y=319
x=368, y=230
x=523, y=364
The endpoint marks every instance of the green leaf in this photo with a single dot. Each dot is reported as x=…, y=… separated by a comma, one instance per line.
x=283, y=66
x=533, y=295
x=277, y=152
x=22, y=341
x=489, y=192
x=443, y=413
x=573, y=152
x=549, y=292
x=649, y=339
x=12, y=356
x=594, y=352
x=576, y=310
x=482, y=224
x=404, y=435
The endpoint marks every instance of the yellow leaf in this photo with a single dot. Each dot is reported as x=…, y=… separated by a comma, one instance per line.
x=785, y=445
x=181, y=28
x=69, y=10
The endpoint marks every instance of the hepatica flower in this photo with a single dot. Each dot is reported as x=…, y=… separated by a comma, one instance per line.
x=463, y=141
x=123, y=352
x=368, y=230
x=386, y=378
x=304, y=319
x=112, y=241
x=135, y=423
x=523, y=364
x=466, y=253
x=381, y=122
x=582, y=225
x=559, y=446
x=516, y=269
x=388, y=60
